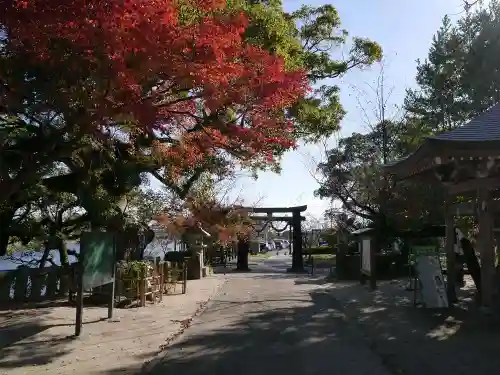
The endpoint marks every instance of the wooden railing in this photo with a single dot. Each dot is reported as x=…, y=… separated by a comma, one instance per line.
x=34, y=284
x=40, y=284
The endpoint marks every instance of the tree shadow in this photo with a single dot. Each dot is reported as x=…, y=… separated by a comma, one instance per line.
x=299, y=333
x=340, y=328
x=9, y=307
x=414, y=340
x=33, y=353
x=22, y=322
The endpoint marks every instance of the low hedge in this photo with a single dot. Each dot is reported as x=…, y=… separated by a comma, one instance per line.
x=387, y=267
x=319, y=250
x=348, y=266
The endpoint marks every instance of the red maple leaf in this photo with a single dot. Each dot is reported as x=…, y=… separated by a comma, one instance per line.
x=198, y=83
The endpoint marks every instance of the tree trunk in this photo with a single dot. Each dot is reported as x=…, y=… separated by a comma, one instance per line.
x=63, y=254
x=45, y=255
x=4, y=241
x=5, y=222
x=243, y=250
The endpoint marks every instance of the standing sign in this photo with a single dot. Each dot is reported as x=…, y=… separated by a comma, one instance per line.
x=97, y=268
x=430, y=276
x=365, y=255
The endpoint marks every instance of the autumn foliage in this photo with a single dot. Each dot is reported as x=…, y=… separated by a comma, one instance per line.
x=226, y=224
x=193, y=86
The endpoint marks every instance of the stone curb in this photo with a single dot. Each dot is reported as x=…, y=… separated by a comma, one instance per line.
x=184, y=324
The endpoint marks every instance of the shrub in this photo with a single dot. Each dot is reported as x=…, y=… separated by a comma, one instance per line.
x=387, y=267
x=348, y=266
x=319, y=250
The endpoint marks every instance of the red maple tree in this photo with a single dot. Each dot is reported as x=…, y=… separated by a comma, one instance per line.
x=225, y=223
x=193, y=85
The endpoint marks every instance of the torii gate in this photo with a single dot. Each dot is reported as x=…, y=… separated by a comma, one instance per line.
x=293, y=221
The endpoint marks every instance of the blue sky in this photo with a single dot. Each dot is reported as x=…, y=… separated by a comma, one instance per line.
x=404, y=28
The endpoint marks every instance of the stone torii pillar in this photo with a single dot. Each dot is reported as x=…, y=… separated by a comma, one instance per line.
x=297, y=260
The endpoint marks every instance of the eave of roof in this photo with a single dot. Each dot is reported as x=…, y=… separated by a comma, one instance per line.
x=480, y=135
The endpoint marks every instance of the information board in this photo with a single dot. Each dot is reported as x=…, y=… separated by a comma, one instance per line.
x=366, y=256
x=428, y=270
x=98, y=251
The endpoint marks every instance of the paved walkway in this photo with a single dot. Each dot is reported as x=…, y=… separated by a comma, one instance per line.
x=269, y=323
x=39, y=341
x=259, y=323
x=415, y=341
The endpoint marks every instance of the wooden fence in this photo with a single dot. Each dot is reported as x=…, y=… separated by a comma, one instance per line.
x=37, y=285
x=34, y=284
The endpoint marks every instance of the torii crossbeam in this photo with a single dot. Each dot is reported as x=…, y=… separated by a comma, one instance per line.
x=295, y=221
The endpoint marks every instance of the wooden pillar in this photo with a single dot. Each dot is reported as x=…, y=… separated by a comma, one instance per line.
x=373, y=262
x=450, y=255
x=485, y=246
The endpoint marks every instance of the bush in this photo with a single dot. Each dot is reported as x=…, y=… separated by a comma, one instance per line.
x=331, y=238
x=350, y=248
x=133, y=270
x=388, y=266
x=348, y=266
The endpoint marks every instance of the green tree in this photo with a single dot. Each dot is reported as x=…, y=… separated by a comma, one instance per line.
x=460, y=78
x=44, y=126
x=352, y=174
x=437, y=101
x=320, y=34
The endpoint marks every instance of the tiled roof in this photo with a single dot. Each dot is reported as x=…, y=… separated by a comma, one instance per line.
x=481, y=134
x=484, y=127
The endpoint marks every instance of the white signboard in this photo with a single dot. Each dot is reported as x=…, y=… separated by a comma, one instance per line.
x=432, y=286
x=365, y=255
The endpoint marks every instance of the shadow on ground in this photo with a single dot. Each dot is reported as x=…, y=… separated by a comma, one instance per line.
x=415, y=341
x=19, y=323
x=23, y=321
x=405, y=339
x=328, y=327
x=254, y=339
